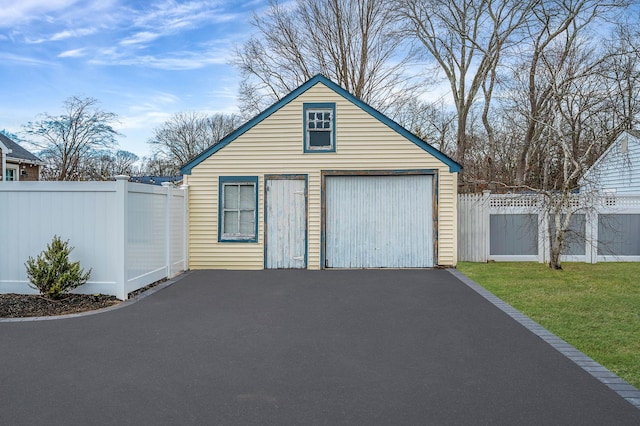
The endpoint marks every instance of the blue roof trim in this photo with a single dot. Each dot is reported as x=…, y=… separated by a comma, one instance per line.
x=453, y=166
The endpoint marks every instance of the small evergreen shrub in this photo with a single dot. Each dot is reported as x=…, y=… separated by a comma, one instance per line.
x=51, y=272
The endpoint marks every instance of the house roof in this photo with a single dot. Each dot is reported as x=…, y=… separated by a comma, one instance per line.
x=18, y=152
x=187, y=167
x=156, y=180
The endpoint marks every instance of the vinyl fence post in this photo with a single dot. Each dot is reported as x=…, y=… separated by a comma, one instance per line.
x=544, y=247
x=167, y=227
x=486, y=223
x=122, y=226
x=185, y=227
x=592, y=231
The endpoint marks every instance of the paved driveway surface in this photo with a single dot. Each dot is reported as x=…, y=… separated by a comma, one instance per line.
x=374, y=347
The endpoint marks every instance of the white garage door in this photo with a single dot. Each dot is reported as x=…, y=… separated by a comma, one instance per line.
x=379, y=221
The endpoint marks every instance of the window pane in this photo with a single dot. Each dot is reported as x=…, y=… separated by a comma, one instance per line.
x=247, y=197
x=327, y=116
x=327, y=124
x=230, y=225
x=231, y=196
x=318, y=139
x=247, y=225
x=312, y=125
x=312, y=116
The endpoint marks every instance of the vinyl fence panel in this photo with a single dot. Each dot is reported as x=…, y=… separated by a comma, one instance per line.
x=473, y=227
x=516, y=227
x=118, y=229
x=619, y=235
x=513, y=235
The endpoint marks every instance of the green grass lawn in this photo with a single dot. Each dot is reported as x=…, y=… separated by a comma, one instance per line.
x=595, y=308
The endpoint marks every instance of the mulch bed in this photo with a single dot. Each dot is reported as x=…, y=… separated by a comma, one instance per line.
x=14, y=305
x=32, y=305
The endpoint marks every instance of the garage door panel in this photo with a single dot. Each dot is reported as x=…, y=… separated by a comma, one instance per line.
x=379, y=221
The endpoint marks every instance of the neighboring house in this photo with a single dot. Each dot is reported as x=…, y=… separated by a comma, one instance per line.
x=17, y=162
x=618, y=168
x=321, y=180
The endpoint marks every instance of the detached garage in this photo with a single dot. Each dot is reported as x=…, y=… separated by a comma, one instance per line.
x=321, y=180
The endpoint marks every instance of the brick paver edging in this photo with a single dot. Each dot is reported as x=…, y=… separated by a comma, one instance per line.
x=615, y=383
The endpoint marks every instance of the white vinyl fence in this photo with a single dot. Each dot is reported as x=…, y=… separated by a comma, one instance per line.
x=506, y=227
x=129, y=234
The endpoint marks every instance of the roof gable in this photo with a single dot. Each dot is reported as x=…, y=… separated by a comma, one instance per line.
x=633, y=144
x=453, y=166
x=616, y=170
x=17, y=151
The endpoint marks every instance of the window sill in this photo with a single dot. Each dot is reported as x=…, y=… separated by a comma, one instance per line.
x=237, y=240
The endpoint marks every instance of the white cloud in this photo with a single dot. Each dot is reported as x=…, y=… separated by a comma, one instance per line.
x=154, y=102
x=62, y=35
x=14, y=12
x=141, y=37
x=75, y=53
x=25, y=60
x=168, y=17
x=171, y=15
x=177, y=62
x=81, y=32
x=144, y=120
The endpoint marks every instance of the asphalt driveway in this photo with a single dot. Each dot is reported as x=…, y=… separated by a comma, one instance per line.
x=367, y=347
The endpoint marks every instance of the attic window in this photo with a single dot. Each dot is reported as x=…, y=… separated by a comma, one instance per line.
x=319, y=124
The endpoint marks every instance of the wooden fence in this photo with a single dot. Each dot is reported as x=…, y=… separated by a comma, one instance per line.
x=509, y=227
x=129, y=234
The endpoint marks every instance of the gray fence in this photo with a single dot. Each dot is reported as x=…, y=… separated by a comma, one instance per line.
x=516, y=228
x=129, y=234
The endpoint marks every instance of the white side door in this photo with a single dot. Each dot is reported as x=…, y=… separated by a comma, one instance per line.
x=286, y=223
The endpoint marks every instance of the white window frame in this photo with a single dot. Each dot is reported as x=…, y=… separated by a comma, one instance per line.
x=226, y=182
x=16, y=173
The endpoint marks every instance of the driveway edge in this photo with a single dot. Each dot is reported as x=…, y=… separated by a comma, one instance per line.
x=601, y=373
x=123, y=304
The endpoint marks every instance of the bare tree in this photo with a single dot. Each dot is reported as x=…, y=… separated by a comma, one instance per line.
x=555, y=28
x=466, y=38
x=622, y=69
x=157, y=166
x=106, y=164
x=430, y=121
x=352, y=42
x=187, y=134
x=572, y=127
x=71, y=139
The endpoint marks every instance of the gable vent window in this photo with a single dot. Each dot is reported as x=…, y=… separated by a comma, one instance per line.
x=319, y=122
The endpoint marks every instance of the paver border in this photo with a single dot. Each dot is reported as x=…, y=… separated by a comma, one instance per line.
x=601, y=373
x=123, y=304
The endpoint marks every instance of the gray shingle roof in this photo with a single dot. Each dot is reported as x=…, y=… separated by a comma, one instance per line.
x=17, y=151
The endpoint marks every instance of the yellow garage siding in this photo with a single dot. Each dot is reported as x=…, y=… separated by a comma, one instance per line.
x=275, y=146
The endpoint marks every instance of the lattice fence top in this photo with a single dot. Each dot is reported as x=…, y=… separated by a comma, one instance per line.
x=525, y=201
x=622, y=201
x=529, y=201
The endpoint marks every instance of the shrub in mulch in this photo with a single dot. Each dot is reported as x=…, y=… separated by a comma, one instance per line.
x=52, y=273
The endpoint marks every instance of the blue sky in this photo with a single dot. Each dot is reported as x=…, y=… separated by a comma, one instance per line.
x=143, y=60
